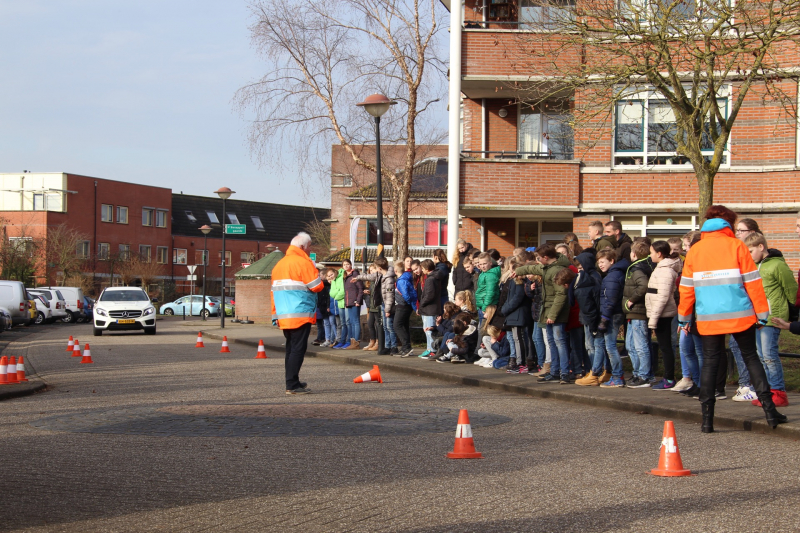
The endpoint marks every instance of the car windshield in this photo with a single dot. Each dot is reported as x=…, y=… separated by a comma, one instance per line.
x=43, y=293
x=124, y=296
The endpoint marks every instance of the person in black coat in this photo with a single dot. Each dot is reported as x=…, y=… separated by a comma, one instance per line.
x=430, y=303
x=462, y=280
x=516, y=309
x=442, y=269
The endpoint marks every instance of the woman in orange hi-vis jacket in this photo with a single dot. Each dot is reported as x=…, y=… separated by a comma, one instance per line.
x=295, y=280
x=721, y=283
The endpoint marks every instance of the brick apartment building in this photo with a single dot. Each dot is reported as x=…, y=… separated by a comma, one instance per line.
x=520, y=181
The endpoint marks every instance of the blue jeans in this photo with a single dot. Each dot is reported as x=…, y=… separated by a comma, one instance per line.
x=388, y=330
x=511, y=345
x=692, y=356
x=538, y=342
x=610, y=338
x=343, y=320
x=354, y=321
x=767, y=344
x=559, y=351
x=329, y=324
x=589, y=342
x=429, y=322
x=577, y=351
x=744, y=374
x=638, y=343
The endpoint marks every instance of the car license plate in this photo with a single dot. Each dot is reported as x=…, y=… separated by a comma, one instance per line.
x=126, y=321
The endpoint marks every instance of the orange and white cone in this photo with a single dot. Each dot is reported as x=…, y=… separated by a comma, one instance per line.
x=373, y=375
x=21, y=370
x=225, y=348
x=70, y=344
x=465, y=446
x=669, y=462
x=76, y=349
x=87, y=355
x=3, y=370
x=262, y=353
x=200, y=340
x=11, y=370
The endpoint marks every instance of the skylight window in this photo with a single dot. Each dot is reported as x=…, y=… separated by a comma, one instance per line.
x=191, y=217
x=257, y=223
x=233, y=218
x=212, y=216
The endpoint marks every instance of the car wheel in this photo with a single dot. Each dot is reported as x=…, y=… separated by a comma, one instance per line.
x=150, y=331
x=69, y=318
x=204, y=313
x=169, y=312
x=39, y=318
x=97, y=332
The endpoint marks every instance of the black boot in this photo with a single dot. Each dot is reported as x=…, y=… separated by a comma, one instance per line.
x=708, y=418
x=773, y=416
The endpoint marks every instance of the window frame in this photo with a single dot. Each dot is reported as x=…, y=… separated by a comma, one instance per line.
x=162, y=254
x=190, y=216
x=125, y=251
x=120, y=218
x=103, y=250
x=257, y=223
x=441, y=234
x=233, y=218
x=228, y=257
x=203, y=257
x=148, y=214
x=215, y=219
x=146, y=257
x=389, y=233
x=161, y=213
x=176, y=255
x=109, y=211
x=83, y=249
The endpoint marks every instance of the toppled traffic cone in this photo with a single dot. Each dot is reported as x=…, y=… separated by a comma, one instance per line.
x=465, y=446
x=11, y=370
x=76, y=349
x=3, y=370
x=372, y=375
x=262, y=353
x=87, y=355
x=70, y=344
x=21, y=370
x=225, y=348
x=200, y=340
x=669, y=462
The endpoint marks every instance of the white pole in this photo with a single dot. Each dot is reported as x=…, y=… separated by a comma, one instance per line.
x=454, y=129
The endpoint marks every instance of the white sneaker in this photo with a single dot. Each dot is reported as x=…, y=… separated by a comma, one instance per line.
x=744, y=394
x=683, y=384
x=488, y=362
x=478, y=362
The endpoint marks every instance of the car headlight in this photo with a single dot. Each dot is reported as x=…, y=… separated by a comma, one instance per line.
x=101, y=312
x=149, y=311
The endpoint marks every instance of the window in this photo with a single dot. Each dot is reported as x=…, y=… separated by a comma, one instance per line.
x=106, y=213
x=212, y=216
x=435, y=233
x=544, y=135
x=122, y=214
x=179, y=256
x=372, y=233
x=161, y=255
x=347, y=180
x=257, y=223
x=21, y=244
x=190, y=216
x=102, y=250
x=147, y=216
x=545, y=14
x=233, y=218
x=83, y=249
x=124, y=251
x=38, y=202
x=685, y=13
x=161, y=218
x=227, y=257
x=201, y=257
x=49, y=201
x=144, y=252
x=246, y=257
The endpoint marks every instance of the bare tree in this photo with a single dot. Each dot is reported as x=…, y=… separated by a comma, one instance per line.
x=63, y=253
x=320, y=236
x=148, y=272
x=700, y=60
x=326, y=56
x=21, y=252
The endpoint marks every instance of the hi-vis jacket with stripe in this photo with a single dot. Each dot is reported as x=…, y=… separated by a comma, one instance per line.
x=295, y=280
x=722, y=282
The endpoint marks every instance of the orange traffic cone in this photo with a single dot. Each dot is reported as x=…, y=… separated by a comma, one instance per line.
x=225, y=348
x=465, y=446
x=372, y=375
x=21, y=370
x=11, y=370
x=87, y=355
x=669, y=462
x=262, y=353
x=200, y=340
x=3, y=370
x=70, y=344
x=76, y=349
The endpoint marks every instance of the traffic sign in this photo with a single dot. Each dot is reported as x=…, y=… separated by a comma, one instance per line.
x=245, y=265
x=313, y=256
x=191, y=268
x=193, y=277
x=235, y=229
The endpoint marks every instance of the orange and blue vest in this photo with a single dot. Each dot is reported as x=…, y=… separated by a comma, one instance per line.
x=295, y=280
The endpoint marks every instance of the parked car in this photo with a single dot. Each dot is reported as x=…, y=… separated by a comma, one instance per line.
x=73, y=298
x=124, y=308
x=15, y=299
x=55, y=300
x=32, y=311
x=192, y=306
x=43, y=312
x=88, y=313
x=229, y=305
x=5, y=319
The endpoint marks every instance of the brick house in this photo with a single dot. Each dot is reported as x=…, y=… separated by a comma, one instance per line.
x=520, y=181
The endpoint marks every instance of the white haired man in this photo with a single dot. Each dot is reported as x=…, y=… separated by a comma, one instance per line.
x=295, y=280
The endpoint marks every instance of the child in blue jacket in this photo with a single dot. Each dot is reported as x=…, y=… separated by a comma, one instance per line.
x=611, y=317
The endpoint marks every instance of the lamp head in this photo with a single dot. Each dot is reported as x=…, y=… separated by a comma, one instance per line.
x=205, y=229
x=376, y=104
x=224, y=193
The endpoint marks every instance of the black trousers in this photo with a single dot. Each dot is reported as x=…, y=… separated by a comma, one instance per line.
x=372, y=333
x=376, y=330
x=402, y=316
x=296, y=346
x=715, y=360
x=664, y=337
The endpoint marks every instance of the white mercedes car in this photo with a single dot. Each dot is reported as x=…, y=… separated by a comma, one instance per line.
x=124, y=308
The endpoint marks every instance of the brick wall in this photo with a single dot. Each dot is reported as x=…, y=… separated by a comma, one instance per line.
x=527, y=182
x=254, y=300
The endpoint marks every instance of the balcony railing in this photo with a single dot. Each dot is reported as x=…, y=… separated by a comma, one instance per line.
x=506, y=154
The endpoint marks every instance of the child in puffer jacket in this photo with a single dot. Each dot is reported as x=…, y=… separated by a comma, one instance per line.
x=494, y=346
x=611, y=317
x=462, y=346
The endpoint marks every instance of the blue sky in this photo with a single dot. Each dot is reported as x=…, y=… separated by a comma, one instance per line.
x=133, y=91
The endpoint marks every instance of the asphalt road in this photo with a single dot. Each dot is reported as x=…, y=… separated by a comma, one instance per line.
x=159, y=436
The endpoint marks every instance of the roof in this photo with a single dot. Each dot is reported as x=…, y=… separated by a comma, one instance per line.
x=261, y=269
x=372, y=253
x=430, y=181
x=279, y=223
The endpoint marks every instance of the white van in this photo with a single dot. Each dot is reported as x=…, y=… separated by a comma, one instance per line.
x=55, y=299
x=73, y=297
x=14, y=297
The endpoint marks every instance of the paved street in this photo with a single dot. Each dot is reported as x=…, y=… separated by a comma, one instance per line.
x=158, y=435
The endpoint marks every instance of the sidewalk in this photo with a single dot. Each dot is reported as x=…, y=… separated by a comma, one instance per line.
x=665, y=404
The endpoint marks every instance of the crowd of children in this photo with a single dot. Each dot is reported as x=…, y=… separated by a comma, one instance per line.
x=555, y=311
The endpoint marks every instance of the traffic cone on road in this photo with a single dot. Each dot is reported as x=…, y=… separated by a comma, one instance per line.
x=200, y=340
x=464, y=447
x=262, y=353
x=70, y=344
x=669, y=462
x=76, y=349
x=11, y=370
x=225, y=348
x=21, y=370
x=372, y=375
x=87, y=355
x=3, y=370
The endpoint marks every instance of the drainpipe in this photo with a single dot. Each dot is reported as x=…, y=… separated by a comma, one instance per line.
x=454, y=127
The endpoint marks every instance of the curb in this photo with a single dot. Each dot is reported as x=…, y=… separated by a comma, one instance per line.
x=754, y=424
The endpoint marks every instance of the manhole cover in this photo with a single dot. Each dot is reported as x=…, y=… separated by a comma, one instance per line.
x=265, y=420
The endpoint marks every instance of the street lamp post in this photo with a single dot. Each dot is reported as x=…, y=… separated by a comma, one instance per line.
x=223, y=193
x=376, y=105
x=205, y=229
